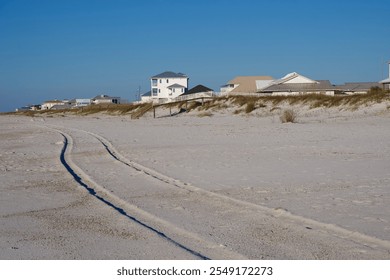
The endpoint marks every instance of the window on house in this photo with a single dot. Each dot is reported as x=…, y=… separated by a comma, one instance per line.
x=159, y=90
x=154, y=91
x=154, y=82
x=174, y=90
x=167, y=81
x=160, y=81
x=182, y=90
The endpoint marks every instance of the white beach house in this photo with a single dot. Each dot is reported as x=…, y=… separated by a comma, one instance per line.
x=167, y=86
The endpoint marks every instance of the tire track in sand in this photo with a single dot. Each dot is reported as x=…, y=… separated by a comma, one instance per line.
x=164, y=229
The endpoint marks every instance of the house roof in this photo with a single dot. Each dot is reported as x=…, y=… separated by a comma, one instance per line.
x=149, y=93
x=281, y=87
x=386, y=81
x=358, y=86
x=247, y=83
x=104, y=97
x=169, y=74
x=176, y=86
x=61, y=107
x=198, y=88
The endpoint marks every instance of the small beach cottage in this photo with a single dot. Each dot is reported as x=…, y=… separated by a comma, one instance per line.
x=105, y=99
x=167, y=86
x=296, y=84
x=47, y=105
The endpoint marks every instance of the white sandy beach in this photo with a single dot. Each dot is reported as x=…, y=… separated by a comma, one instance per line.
x=185, y=187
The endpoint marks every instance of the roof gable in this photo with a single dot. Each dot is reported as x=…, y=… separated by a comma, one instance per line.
x=197, y=89
x=248, y=84
x=294, y=78
x=176, y=86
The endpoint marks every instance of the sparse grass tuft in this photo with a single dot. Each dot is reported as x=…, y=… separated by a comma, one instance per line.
x=250, y=107
x=193, y=105
x=288, y=116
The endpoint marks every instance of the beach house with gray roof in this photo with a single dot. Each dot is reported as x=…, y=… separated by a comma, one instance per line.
x=167, y=86
x=296, y=84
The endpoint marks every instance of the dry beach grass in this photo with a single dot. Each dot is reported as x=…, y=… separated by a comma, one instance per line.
x=237, y=104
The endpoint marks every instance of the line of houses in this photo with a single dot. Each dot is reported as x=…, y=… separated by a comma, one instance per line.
x=73, y=103
x=170, y=86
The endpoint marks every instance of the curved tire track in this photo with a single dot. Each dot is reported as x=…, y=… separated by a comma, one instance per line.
x=178, y=237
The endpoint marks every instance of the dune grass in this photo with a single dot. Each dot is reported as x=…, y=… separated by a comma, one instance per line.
x=239, y=104
x=288, y=116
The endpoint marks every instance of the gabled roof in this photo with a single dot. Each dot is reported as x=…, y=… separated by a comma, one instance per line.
x=198, y=88
x=305, y=87
x=291, y=76
x=247, y=84
x=169, y=74
x=176, y=86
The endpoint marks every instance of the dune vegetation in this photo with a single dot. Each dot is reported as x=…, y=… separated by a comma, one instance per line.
x=235, y=104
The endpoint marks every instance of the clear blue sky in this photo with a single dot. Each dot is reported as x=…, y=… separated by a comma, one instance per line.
x=78, y=48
